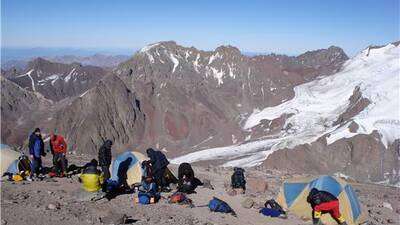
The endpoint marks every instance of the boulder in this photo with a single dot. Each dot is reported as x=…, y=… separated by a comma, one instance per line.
x=247, y=203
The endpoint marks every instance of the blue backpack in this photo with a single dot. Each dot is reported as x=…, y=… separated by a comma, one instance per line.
x=144, y=198
x=270, y=212
x=217, y=205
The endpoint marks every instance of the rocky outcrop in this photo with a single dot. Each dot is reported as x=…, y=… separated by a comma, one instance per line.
x=20, y=111
x=357, y=103
x=362, y=157
x=107, y=111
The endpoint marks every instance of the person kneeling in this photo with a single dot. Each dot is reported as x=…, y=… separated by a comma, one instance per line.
x=324, y=202
x=187, y=181
x=148, y=190
x=91, y=177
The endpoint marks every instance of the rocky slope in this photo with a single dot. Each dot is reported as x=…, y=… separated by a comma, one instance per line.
x=18, y=109
x=197, y=99
x=107, y=111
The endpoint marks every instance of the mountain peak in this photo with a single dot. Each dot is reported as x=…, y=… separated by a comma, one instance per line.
x=228, y=49
x=38, y=62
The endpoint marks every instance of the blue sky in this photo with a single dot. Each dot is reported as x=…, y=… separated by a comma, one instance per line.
x=282, y=26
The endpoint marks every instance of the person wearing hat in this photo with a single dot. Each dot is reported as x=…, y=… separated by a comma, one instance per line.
x=36, y=151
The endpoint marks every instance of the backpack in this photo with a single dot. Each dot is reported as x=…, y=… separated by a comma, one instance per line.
x=270, y=212
x=144, y=199
x=180, y=198
x=237, y=179
x=217, y=205
x=272, y=204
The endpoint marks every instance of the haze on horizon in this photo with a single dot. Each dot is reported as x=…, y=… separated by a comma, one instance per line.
x=289, y=27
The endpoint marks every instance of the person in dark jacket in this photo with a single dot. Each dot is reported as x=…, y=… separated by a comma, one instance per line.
x=36, y=151
x=324, y=202
x=105, y=159
x=159, y=163
x=187, y=182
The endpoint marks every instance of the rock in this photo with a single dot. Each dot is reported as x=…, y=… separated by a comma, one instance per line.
x=231, y=192
x=3, y=222
x=247, y=203
x=390, y=221
x=387, y=205
x=114, y=218
x=353, y=127
x=256, y=185
x=207, y=184
x=52, y=206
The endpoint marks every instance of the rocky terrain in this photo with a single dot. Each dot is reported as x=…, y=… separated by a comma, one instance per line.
x=59, y=201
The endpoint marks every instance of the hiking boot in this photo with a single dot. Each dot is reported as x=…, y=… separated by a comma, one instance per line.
x=344, y=223
x=29, y=179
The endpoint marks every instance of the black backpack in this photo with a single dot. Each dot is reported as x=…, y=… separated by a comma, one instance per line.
x=237, y=179
x=272, y=204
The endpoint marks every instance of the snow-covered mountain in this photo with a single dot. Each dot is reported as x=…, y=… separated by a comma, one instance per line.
x=317, y=110
x=56, y=81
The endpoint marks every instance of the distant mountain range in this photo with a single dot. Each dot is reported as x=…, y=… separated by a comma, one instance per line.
x=19, y=57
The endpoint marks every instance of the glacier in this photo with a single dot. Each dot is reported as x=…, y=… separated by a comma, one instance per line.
x=317, y=104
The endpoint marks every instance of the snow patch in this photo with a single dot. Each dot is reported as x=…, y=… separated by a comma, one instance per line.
x=234, y=140
x=83, y=94
x=213, y=57
x=174, y=60
x=68, y=77
x=249, y=154
x=148, y=47
x=218, y=75
x=196, y=63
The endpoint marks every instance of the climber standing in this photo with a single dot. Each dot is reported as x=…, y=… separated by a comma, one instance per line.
x=58, y=148
x=105, y=159
x=36, y=151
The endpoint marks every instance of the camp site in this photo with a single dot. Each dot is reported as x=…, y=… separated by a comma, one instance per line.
x=257, y=112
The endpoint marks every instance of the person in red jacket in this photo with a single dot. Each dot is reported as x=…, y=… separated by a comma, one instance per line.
x=324, y=202
x=58, y=148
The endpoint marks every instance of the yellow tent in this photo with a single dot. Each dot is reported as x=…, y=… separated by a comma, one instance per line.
x=12, y=161
x=129, y=164
x=294, y=192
